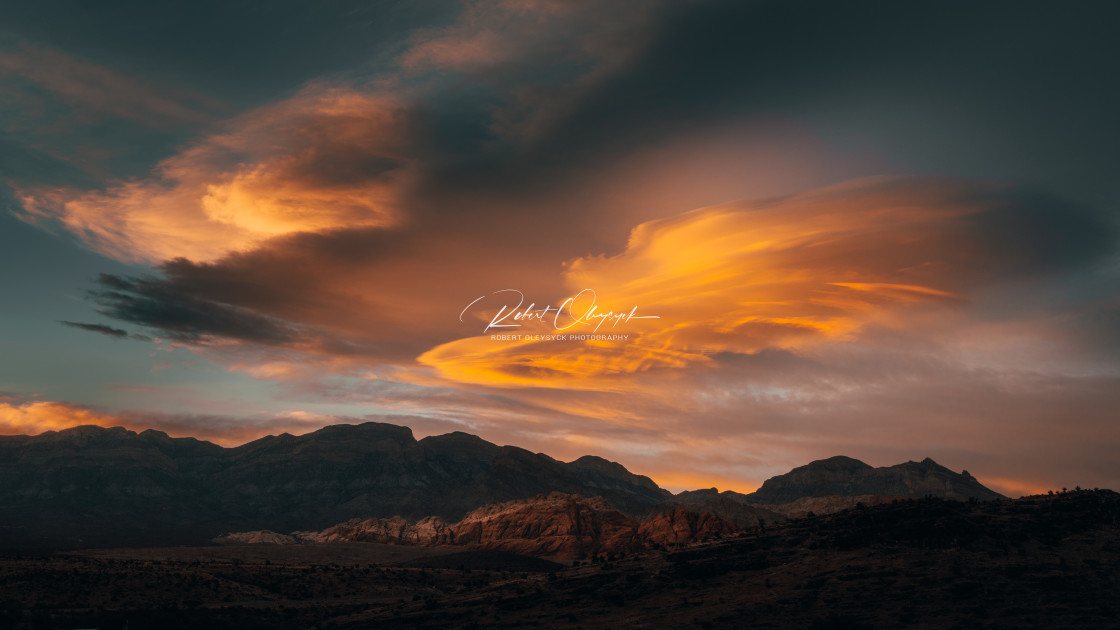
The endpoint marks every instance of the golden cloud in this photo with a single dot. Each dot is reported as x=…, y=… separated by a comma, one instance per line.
x=33, y=418
x=328, y=158
x=742, y=277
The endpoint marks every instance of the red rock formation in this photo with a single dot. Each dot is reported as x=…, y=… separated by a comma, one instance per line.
x=257, y=537
x=680, y=526
x=559, y=526
x=397, y=531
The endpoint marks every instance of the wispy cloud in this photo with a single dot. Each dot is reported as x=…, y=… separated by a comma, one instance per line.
x=98, y=328
x=93, y=90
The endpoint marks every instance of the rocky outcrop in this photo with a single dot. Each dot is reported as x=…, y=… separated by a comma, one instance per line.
x=427, y=531
x=259, y=537
x=684, y=526
x=561, y=526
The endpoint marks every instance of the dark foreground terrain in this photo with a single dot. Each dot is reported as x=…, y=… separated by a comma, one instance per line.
x=1036, y=562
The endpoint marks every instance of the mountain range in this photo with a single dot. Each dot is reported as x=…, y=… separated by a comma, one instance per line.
x=92, y=486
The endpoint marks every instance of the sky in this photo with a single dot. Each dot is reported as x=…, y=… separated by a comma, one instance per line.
x=709, y=240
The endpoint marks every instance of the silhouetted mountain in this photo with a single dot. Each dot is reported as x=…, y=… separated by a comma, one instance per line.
x=844, y=476
x=719, y=504
x=93, y=486
x=708, y=494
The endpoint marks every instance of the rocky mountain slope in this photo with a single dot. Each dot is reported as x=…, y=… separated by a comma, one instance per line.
x=558, y=526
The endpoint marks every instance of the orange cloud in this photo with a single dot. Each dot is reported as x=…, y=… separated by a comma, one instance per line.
x=1016, y=487
x=35, y=417
x=788, y=274
x=677, y=481
x=328, y=158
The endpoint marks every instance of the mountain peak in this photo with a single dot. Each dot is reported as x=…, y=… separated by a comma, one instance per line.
x=153, y=433
x=366, y=430
x=89, y=430
x=838, y=462
x=846, y=476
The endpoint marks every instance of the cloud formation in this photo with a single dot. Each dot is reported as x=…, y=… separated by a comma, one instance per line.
x=790, y=274
x=326, y=159
x=32, y=418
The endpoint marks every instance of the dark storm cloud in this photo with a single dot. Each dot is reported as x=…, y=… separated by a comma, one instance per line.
x=98, y=328
x=241, y=51
x=1023, y=82
x=152, y=303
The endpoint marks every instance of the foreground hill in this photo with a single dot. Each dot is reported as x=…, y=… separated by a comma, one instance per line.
x=92, y=486
x=1035, y=562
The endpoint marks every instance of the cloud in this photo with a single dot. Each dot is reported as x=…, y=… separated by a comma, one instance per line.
x=146, y=301
x=328, y=158
x=349, y=155
x=98, y=328
x=32, y=418
x=93, y=90
x=790, y=274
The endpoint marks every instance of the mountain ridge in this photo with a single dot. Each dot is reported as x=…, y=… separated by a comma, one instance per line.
x=94, y=486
